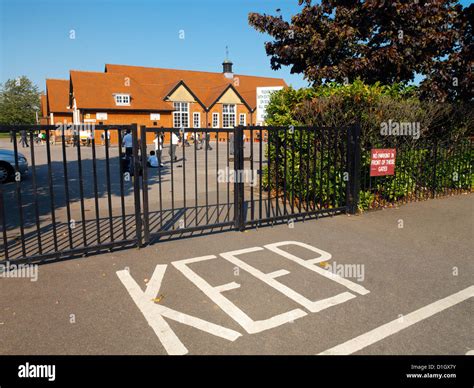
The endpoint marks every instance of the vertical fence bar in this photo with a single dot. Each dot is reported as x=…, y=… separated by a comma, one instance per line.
x=172, y=156
x=195, y=179
x=81, y=192
x=136, y=186
x=341, y=169
x=308, y=166
x=18, y=196
x=35, y=194
x=206, y=144
x=185, y=209
x=227, y=218
x=285, y=172
x=260, y=167
x=300, y=166
x=277, y=175
x=51, y=191
x=315, y=173
x=269, y=175
x=96, y=194
x=239, y=200
x=144, y=164
x=293, y=153
x=353, y=150
x=328, y=168
x=335, y=168
x=122, y=190
x=161, y=143
x=109, y=190
x=3, y=224
x=66, y=189
x=252, y=201
x=217, y=174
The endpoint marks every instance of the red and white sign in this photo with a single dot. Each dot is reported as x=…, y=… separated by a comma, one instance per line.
x=382, y=161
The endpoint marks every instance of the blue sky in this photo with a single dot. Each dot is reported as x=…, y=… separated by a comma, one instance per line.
x=35, y=36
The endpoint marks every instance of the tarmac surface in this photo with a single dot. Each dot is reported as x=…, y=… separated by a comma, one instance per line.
x=393, y=281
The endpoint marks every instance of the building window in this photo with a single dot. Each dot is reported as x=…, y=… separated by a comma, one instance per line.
x=228, y=116
x=181, y=115
x=243, y=119
x=122, y=99
x=197, y=120
x=215, y=120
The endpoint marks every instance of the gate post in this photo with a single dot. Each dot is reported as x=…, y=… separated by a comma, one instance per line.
x=353, y=165
x=136, y=186
x=144, y=179
x=239, y=217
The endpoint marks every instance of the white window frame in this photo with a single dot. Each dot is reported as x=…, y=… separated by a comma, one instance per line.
x=244, y=121
x=198, y=115
x=122, y=99
x=180, y=115
x=215, y=120
x=227, y=116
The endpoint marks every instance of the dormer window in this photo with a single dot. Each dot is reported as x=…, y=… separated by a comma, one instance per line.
x=122, y=99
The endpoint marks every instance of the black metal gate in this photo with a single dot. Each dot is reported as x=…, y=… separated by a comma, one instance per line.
x=75, y=198
x=85, y=192
x=233, y=178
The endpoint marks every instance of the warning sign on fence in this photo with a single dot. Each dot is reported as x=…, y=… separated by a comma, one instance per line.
x=382, y=162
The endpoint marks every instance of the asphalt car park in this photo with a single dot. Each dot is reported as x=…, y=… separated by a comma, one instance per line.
x=337, y=285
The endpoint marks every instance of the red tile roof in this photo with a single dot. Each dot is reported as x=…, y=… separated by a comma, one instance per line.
x=148, y=87
x=206, y=86
x=57, y=91
x=94, y=90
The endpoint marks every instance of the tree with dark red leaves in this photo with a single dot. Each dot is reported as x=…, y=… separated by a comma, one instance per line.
x=374, y=40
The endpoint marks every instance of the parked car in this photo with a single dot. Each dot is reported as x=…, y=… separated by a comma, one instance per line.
x=7, y=165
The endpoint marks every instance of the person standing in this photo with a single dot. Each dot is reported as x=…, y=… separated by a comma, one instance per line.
x=158, y=142
x=75, y=137
x=231, y=144
x=174, y=144
x=128, y=143
x=207, y=136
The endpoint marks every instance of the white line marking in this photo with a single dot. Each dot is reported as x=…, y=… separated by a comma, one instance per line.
x=310, y=264
x=227, y=287
x=277, y=274
x=285, y=290
x=154, y=313
x=230, y=308
x=378, y=334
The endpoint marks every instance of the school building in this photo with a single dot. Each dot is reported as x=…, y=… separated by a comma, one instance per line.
x=157, y=97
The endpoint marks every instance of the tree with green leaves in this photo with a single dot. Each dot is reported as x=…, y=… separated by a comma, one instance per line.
x=19, y=101
x=373, y=40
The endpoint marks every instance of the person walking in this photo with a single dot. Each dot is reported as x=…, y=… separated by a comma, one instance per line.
x=24, y=138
